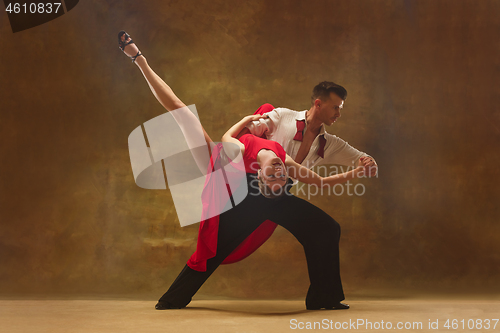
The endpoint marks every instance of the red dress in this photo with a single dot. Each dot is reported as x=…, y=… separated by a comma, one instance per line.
x=207, y=236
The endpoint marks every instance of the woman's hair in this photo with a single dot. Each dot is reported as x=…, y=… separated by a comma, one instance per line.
x=267, y=192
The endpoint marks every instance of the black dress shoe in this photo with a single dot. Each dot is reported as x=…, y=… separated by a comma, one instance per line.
x=338, y=306
x=165, y=306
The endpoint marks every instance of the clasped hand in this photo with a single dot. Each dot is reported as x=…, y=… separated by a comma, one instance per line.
x=367, y=167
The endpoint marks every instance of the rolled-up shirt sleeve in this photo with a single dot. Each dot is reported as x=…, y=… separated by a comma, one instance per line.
x=264, y=125
x=342, y=153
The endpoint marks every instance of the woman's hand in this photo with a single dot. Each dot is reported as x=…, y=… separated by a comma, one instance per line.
x=367, y=167
x=255, y=117
x=359, y=172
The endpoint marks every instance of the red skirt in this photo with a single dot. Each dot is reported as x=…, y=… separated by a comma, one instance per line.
x=206, y=246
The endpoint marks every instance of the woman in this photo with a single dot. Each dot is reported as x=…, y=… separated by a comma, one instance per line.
x=219, y=237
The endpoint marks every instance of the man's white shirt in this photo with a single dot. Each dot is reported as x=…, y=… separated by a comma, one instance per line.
x=281, y=126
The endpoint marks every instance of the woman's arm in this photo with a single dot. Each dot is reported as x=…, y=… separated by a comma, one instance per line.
x=232, y=134
x=308, y=176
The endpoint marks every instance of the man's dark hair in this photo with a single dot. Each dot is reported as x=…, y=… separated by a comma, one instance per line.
x=323, y=90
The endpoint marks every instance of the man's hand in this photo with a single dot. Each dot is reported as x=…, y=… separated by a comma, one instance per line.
x=369, y=166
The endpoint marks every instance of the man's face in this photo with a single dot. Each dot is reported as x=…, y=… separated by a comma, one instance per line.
x=329, y=109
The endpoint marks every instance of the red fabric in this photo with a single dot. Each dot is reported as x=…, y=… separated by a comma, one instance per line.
x=253, y=145
x=322, y=143
x=206, y=245
x=301, y=124
x=207, y=235
x=299, y=136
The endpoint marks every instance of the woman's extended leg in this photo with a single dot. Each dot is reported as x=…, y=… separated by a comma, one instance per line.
x=187, y=121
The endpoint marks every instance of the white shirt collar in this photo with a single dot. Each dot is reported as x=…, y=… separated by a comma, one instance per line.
x=301, y=115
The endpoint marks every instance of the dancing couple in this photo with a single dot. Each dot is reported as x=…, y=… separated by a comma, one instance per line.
x=275, y=144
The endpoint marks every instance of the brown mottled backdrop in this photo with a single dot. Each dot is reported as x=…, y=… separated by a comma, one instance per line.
x=422, y=78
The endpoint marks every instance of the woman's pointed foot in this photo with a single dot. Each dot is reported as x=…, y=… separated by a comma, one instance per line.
x=127, y=45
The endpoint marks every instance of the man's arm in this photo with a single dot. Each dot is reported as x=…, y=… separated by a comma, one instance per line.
x=340, y=152
x=308, y=176
x=263, y=126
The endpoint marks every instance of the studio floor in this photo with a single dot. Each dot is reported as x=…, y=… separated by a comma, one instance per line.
x=365, y=315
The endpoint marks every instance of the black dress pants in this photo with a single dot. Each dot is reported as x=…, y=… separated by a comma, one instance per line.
x=318, y=233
